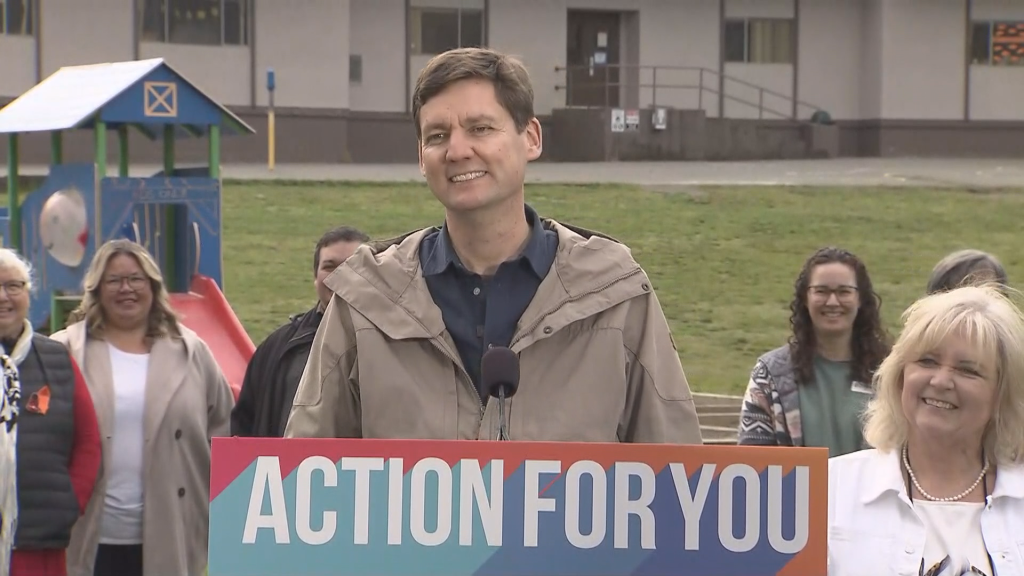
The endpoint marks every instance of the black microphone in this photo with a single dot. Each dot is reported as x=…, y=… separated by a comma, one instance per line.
x=499, y=376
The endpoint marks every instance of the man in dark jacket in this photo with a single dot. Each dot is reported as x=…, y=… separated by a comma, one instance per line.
x=276, y=367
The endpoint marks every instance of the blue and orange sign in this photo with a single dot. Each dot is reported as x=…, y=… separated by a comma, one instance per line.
x=305, y=507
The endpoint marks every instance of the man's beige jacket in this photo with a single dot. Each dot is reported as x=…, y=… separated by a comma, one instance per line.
x=598, y=363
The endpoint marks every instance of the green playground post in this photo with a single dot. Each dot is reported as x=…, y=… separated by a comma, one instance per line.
x=57, y=147
x=170, y=211
x=100, y=133
x=122, y=151
x=13, y=213
x=214, y=151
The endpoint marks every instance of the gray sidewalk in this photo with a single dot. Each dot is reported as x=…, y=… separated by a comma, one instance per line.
x=839, y=172
x=852, y=172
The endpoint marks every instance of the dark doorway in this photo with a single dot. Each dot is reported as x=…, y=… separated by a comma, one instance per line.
x=592, y=56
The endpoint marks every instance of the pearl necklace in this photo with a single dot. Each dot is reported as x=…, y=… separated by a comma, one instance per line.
x=958, y=497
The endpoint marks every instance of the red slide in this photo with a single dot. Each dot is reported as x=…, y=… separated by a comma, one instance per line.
x=206, y=311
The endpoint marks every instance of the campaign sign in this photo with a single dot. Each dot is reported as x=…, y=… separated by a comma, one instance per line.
x=332, y=507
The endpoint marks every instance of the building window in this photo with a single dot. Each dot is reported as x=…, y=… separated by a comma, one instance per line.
x=437, y=30
x=997, y=43
x=759, y=41
x=206, y=22
x=355, y=68
x=16, y=17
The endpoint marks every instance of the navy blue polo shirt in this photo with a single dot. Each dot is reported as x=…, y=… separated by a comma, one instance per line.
x=481, y=311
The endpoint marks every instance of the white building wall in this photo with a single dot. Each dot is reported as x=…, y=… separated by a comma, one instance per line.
x=996, y=91
x=672, y=35
x=870, y=80
x=923, y=58
x=533, y=30
x=307, y=45
x=227, y=81
x=418, y=61
x=377, y=35
x=74, y=33
x=829, y=56
x=857, y=59
x=750, y=88
x=18, y=65
x=676, y=35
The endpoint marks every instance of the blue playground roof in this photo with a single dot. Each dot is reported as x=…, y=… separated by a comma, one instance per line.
x=145, y=94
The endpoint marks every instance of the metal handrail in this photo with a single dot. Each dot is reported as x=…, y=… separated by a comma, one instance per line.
x=701, y=87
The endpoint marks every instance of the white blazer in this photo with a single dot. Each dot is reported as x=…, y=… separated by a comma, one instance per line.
x=873, y=530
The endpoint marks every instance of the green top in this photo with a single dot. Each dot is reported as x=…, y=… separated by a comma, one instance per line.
x=830, y=408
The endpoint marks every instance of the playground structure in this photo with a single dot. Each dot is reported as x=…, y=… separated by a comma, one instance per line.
x=175, y=214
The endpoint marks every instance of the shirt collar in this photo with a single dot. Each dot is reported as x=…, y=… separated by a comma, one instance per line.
x=536, y=252
x=889, y=479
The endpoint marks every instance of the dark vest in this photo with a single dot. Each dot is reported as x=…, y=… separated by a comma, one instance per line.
x=47, y=505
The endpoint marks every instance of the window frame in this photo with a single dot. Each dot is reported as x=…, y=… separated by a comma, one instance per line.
x=30, y=19
x=989, y=27
x=747, y=22
x=415, y=18
x=163, y=11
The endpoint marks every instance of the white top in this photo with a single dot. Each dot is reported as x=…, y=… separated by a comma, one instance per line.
x=868, y=509
x=953, y=529
x=122, y=510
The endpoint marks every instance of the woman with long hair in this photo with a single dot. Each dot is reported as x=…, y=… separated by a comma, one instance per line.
x=160, y=399
x=811, y=391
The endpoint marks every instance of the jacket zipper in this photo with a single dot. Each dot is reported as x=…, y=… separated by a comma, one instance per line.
x=464, y=379
x=463, y=376
x=561, y=304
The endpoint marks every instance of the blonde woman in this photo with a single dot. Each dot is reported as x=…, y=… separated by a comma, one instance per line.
x=160, y=397
x=942, y=490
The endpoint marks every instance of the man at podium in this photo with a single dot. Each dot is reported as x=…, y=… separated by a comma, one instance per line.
x=399, y=353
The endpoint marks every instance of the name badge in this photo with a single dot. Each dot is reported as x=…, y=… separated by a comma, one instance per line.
x=861, y=387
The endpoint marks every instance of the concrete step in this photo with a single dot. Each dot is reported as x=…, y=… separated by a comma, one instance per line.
x=726, y=419
x=720, y=441
x=717, y=402
x=718, y=433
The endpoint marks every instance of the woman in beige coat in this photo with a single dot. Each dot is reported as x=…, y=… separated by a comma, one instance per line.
x=160, y=397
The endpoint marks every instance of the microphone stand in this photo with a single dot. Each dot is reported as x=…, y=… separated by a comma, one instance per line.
x=502, y=426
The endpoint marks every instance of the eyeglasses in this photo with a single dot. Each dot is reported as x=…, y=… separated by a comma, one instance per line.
x=135, y=282
x=843, y=293
x=14, y=287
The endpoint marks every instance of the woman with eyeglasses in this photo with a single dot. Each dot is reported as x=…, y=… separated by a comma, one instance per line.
x=812, y=391
x=160, y=399
x=49, y=440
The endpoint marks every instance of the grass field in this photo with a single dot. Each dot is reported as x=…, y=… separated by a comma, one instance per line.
x=723, y=260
